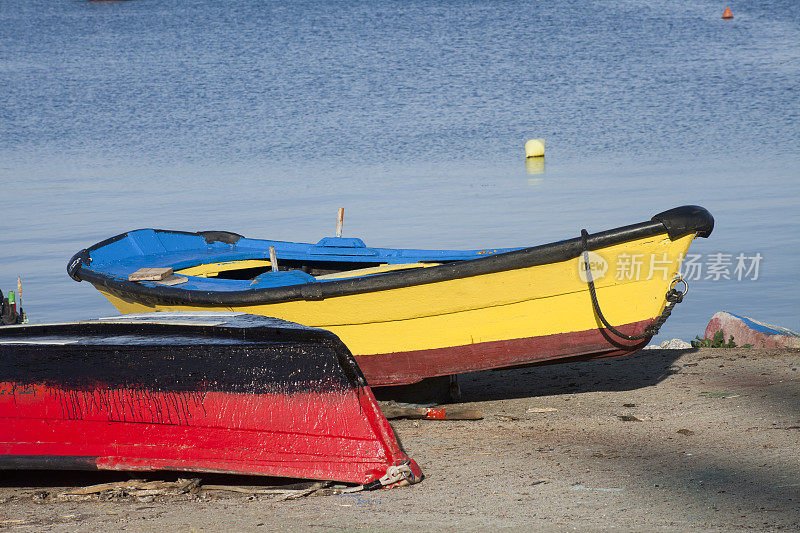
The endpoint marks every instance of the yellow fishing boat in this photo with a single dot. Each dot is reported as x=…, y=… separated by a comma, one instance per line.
x=412, y=314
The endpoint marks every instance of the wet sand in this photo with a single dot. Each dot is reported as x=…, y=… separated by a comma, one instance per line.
x=663, y=440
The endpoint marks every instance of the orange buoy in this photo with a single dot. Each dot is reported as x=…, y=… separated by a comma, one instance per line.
x=727, y=13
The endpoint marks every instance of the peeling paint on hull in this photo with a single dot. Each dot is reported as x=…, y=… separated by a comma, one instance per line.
x=249, y=397
x=306, y=435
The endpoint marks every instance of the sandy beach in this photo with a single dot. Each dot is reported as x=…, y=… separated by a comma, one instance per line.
x=664, y=440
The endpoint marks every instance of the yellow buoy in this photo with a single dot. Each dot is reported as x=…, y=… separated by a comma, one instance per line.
x=534, y=148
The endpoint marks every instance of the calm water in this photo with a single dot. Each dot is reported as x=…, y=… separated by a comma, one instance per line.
x=264, y=117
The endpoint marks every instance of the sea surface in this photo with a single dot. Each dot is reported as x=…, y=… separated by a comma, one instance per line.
x=264, y=117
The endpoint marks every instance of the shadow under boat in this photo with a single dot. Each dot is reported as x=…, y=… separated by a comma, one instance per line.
x=642, y=369
x=561, y=376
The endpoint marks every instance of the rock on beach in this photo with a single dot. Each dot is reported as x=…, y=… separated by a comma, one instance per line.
x=746, y=330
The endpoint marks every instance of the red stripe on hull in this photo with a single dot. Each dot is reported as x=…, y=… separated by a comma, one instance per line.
x=338, y=435
x=401, y=368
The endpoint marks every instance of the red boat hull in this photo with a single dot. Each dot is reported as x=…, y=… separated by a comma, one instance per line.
x=289, y=403
x=125, y=429
x=401, y=368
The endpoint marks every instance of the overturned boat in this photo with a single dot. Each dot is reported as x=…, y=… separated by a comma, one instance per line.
x=205, y=392
x=411, y=314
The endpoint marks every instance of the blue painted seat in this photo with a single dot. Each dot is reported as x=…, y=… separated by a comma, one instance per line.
x=281, y=279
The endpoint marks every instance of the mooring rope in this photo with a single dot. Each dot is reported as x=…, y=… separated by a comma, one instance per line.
x=673, y=297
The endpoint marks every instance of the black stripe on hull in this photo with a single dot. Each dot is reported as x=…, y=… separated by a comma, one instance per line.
x=256, y=361
x=47, y=462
